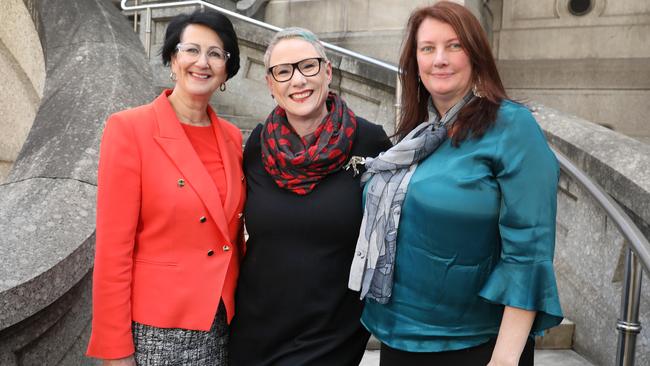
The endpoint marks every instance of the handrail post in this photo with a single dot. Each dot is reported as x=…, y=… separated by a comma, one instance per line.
x=147, y=33
x=135, y=19
x=628, y=324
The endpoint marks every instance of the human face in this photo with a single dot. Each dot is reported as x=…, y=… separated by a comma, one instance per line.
x=198, y=76
x=302, y=97
x=443, y=64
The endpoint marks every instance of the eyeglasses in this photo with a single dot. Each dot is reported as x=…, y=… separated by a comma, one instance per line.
x=307, y=67
x=191, y=51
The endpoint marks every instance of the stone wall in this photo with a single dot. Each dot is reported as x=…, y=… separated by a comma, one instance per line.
x=22, y=71
x=371, y=27
x=596, y=66
x=589, y=250
x=368, y=89
x=95, y=66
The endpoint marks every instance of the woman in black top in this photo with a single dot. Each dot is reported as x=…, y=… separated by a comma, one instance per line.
x=303, y=214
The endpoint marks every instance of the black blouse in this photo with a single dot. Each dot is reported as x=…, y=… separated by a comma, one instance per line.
x=293, y=306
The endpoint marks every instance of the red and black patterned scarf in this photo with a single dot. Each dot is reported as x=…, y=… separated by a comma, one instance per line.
x=298, y=164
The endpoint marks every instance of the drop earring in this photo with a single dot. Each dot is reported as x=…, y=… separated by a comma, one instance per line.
x=476, y=90
x=172, y=76
x=223, y=87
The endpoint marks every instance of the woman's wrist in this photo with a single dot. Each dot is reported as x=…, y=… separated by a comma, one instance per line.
x=504, y=360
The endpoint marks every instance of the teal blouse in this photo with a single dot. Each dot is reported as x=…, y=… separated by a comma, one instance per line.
x=477, y=232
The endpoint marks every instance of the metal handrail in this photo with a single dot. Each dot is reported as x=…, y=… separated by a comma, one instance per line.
x=628, y=229
x=258, y=23
x=637, y=252
x=638, y=248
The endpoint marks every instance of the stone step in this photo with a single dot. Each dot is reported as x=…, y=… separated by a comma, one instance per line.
x=542, y=358
x=559, y=337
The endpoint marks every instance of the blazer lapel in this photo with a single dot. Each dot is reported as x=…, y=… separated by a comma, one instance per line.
x=231, y=165
x=174, y=142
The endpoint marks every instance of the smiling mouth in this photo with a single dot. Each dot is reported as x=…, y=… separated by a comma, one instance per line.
x=443, y=75
x=200, y=76
x=302, y=96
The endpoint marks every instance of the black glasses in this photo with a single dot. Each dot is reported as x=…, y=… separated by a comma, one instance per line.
x=307, y=67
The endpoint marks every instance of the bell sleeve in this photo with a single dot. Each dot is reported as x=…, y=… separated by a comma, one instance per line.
x=527, y=173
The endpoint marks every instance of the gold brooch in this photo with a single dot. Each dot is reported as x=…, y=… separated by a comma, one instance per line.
x=353, y=163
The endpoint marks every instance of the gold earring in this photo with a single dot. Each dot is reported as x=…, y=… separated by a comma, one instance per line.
x=477, y=93
x=476, y=88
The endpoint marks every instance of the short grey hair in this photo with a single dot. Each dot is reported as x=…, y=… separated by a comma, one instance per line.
x=291, y=33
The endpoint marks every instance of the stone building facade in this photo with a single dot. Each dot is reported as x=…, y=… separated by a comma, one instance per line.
x=590, y=58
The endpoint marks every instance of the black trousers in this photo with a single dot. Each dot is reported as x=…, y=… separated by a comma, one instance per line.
x=474, y=356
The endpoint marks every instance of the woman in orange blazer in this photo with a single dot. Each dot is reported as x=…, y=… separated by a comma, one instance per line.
x=170, y=193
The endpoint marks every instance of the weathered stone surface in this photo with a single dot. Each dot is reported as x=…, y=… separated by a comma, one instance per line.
x=588, y=244
x=95, y=66
x=595, y=66
x=368, y=89
x=19, y=36
x=90, y=75
x=94, y=21
x=50, y=336
x=558, y=337
x=65, y=137
x=22, y=71
x=46, y=226
x=605, y=107
x=559, y=358
x=5, y=167
x=580, y=74
x=620, y=164
x=371, y=27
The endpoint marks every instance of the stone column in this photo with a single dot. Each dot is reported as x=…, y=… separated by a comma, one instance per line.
x=22, y=71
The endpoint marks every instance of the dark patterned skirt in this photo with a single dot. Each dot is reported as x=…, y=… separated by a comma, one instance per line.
x=182, y=347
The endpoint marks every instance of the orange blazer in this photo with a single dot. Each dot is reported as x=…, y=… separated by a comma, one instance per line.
x=166, y=248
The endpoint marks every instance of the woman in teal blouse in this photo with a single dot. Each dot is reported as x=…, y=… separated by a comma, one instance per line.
x=455, y=255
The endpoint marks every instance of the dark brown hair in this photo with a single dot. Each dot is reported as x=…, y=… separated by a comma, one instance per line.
x=479, y=115
x=218, y=22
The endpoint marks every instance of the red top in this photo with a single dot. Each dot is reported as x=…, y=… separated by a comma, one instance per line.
x=205, y=144
x=167, y=251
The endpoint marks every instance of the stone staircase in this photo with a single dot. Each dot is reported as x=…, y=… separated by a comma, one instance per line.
x=551, y=349
x=542, y=358
x=246, y=103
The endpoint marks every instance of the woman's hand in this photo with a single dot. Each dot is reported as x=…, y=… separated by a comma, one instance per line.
x=126, y=361
x=513, y=334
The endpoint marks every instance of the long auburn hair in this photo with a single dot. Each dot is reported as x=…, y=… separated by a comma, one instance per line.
x=477, y=116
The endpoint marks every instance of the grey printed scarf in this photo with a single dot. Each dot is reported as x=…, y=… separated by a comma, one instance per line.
x=388, y=176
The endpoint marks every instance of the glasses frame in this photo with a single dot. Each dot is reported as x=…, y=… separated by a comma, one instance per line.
x=226, y=53
x=294, y=67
